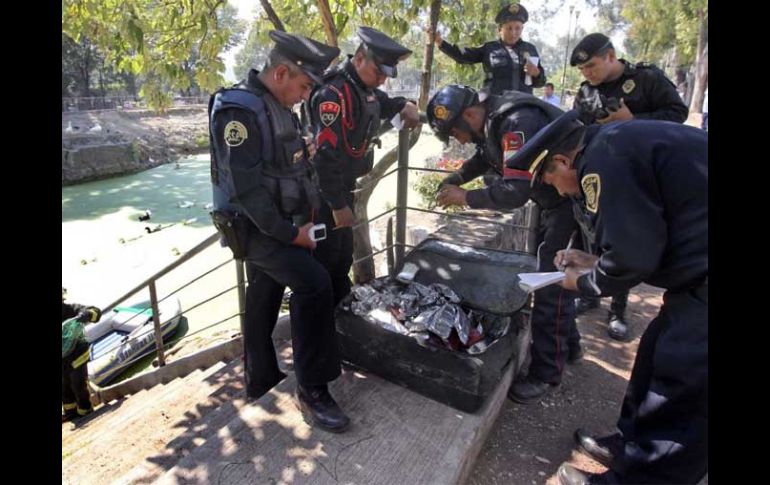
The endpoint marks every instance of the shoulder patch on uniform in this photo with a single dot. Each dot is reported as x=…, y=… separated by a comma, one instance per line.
x=328, y=111
x=628, y=86
x=512, y=143
x=592, y=188
x=235, y=133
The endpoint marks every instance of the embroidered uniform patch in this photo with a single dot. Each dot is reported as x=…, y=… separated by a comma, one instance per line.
x=235, y=133
x=629, y=86
x=327, y=135
x=329, y=111
x=512, y=143
x=592, y=188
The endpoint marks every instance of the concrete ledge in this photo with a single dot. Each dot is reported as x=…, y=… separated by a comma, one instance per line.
x=396, y=436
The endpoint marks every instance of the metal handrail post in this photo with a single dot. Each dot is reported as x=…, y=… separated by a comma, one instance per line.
x=156, y=324
x=401, y=194
x=534, y=227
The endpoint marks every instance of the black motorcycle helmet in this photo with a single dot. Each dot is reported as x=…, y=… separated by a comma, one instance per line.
x=446, y=106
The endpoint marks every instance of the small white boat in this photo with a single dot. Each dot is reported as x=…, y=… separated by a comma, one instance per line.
x=125, y=335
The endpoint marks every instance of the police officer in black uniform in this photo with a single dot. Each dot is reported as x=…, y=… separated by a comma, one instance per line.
x=76, y=401
x=506, y=61
x=346, y=111
x=616, y=90
x=645, y=185
x=500, y=126
x=264, y=197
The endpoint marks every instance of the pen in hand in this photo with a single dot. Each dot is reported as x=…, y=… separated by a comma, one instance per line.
x=563, y=266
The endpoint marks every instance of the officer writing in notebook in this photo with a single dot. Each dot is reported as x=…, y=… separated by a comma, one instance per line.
x=645, y=185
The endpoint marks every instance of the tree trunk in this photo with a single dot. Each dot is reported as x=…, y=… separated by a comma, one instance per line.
x=701, y=66
x=101, y=79
x=365, y=271
x=85, y=71
x=427, y=63
x=328, y=21
x=271, y=15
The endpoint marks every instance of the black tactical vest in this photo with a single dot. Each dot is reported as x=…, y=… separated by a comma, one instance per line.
x=289, y=176
x=358, y=129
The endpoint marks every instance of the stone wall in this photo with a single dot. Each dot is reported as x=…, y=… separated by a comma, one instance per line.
x=102, y=144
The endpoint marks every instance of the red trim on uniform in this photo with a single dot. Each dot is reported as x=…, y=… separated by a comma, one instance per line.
x=327, y=134
x=512, y=173
x=347, y=121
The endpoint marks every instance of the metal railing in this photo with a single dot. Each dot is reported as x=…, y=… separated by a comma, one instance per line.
x=401, y=209
x=150, y=284
x=94, y=103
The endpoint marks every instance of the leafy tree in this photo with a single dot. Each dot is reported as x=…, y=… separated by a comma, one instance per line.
x=154, y=38
x=657, y=27
x=78, y=62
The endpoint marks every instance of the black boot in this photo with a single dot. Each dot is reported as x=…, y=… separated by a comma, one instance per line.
x=529, y=390
x=601, y=449
x=322, y=408
x=569, y=475
x=617, y=326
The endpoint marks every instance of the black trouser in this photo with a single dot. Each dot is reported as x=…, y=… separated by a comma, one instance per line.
x=553, y=315
x=335, y=253
x=271, y=268
x=74, y=382
x=664, y=418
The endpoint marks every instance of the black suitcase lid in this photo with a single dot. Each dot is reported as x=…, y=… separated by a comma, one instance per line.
x=486, y=279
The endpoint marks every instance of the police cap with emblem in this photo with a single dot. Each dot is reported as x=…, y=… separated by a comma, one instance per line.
x=446, y=107
x=533, y=154
x=384, y=51
x=309, y=55
x=589, y=46
x=512, y=12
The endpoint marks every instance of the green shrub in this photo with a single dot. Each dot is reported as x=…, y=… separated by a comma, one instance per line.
x=427, y=182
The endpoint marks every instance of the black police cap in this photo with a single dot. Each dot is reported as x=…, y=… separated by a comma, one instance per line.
x=511, y=12
x=309, y=55
x=589, y=46
x=533, y=153
x=385, y=51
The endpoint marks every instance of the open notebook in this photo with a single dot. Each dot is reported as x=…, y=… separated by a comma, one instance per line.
x=530, y=282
